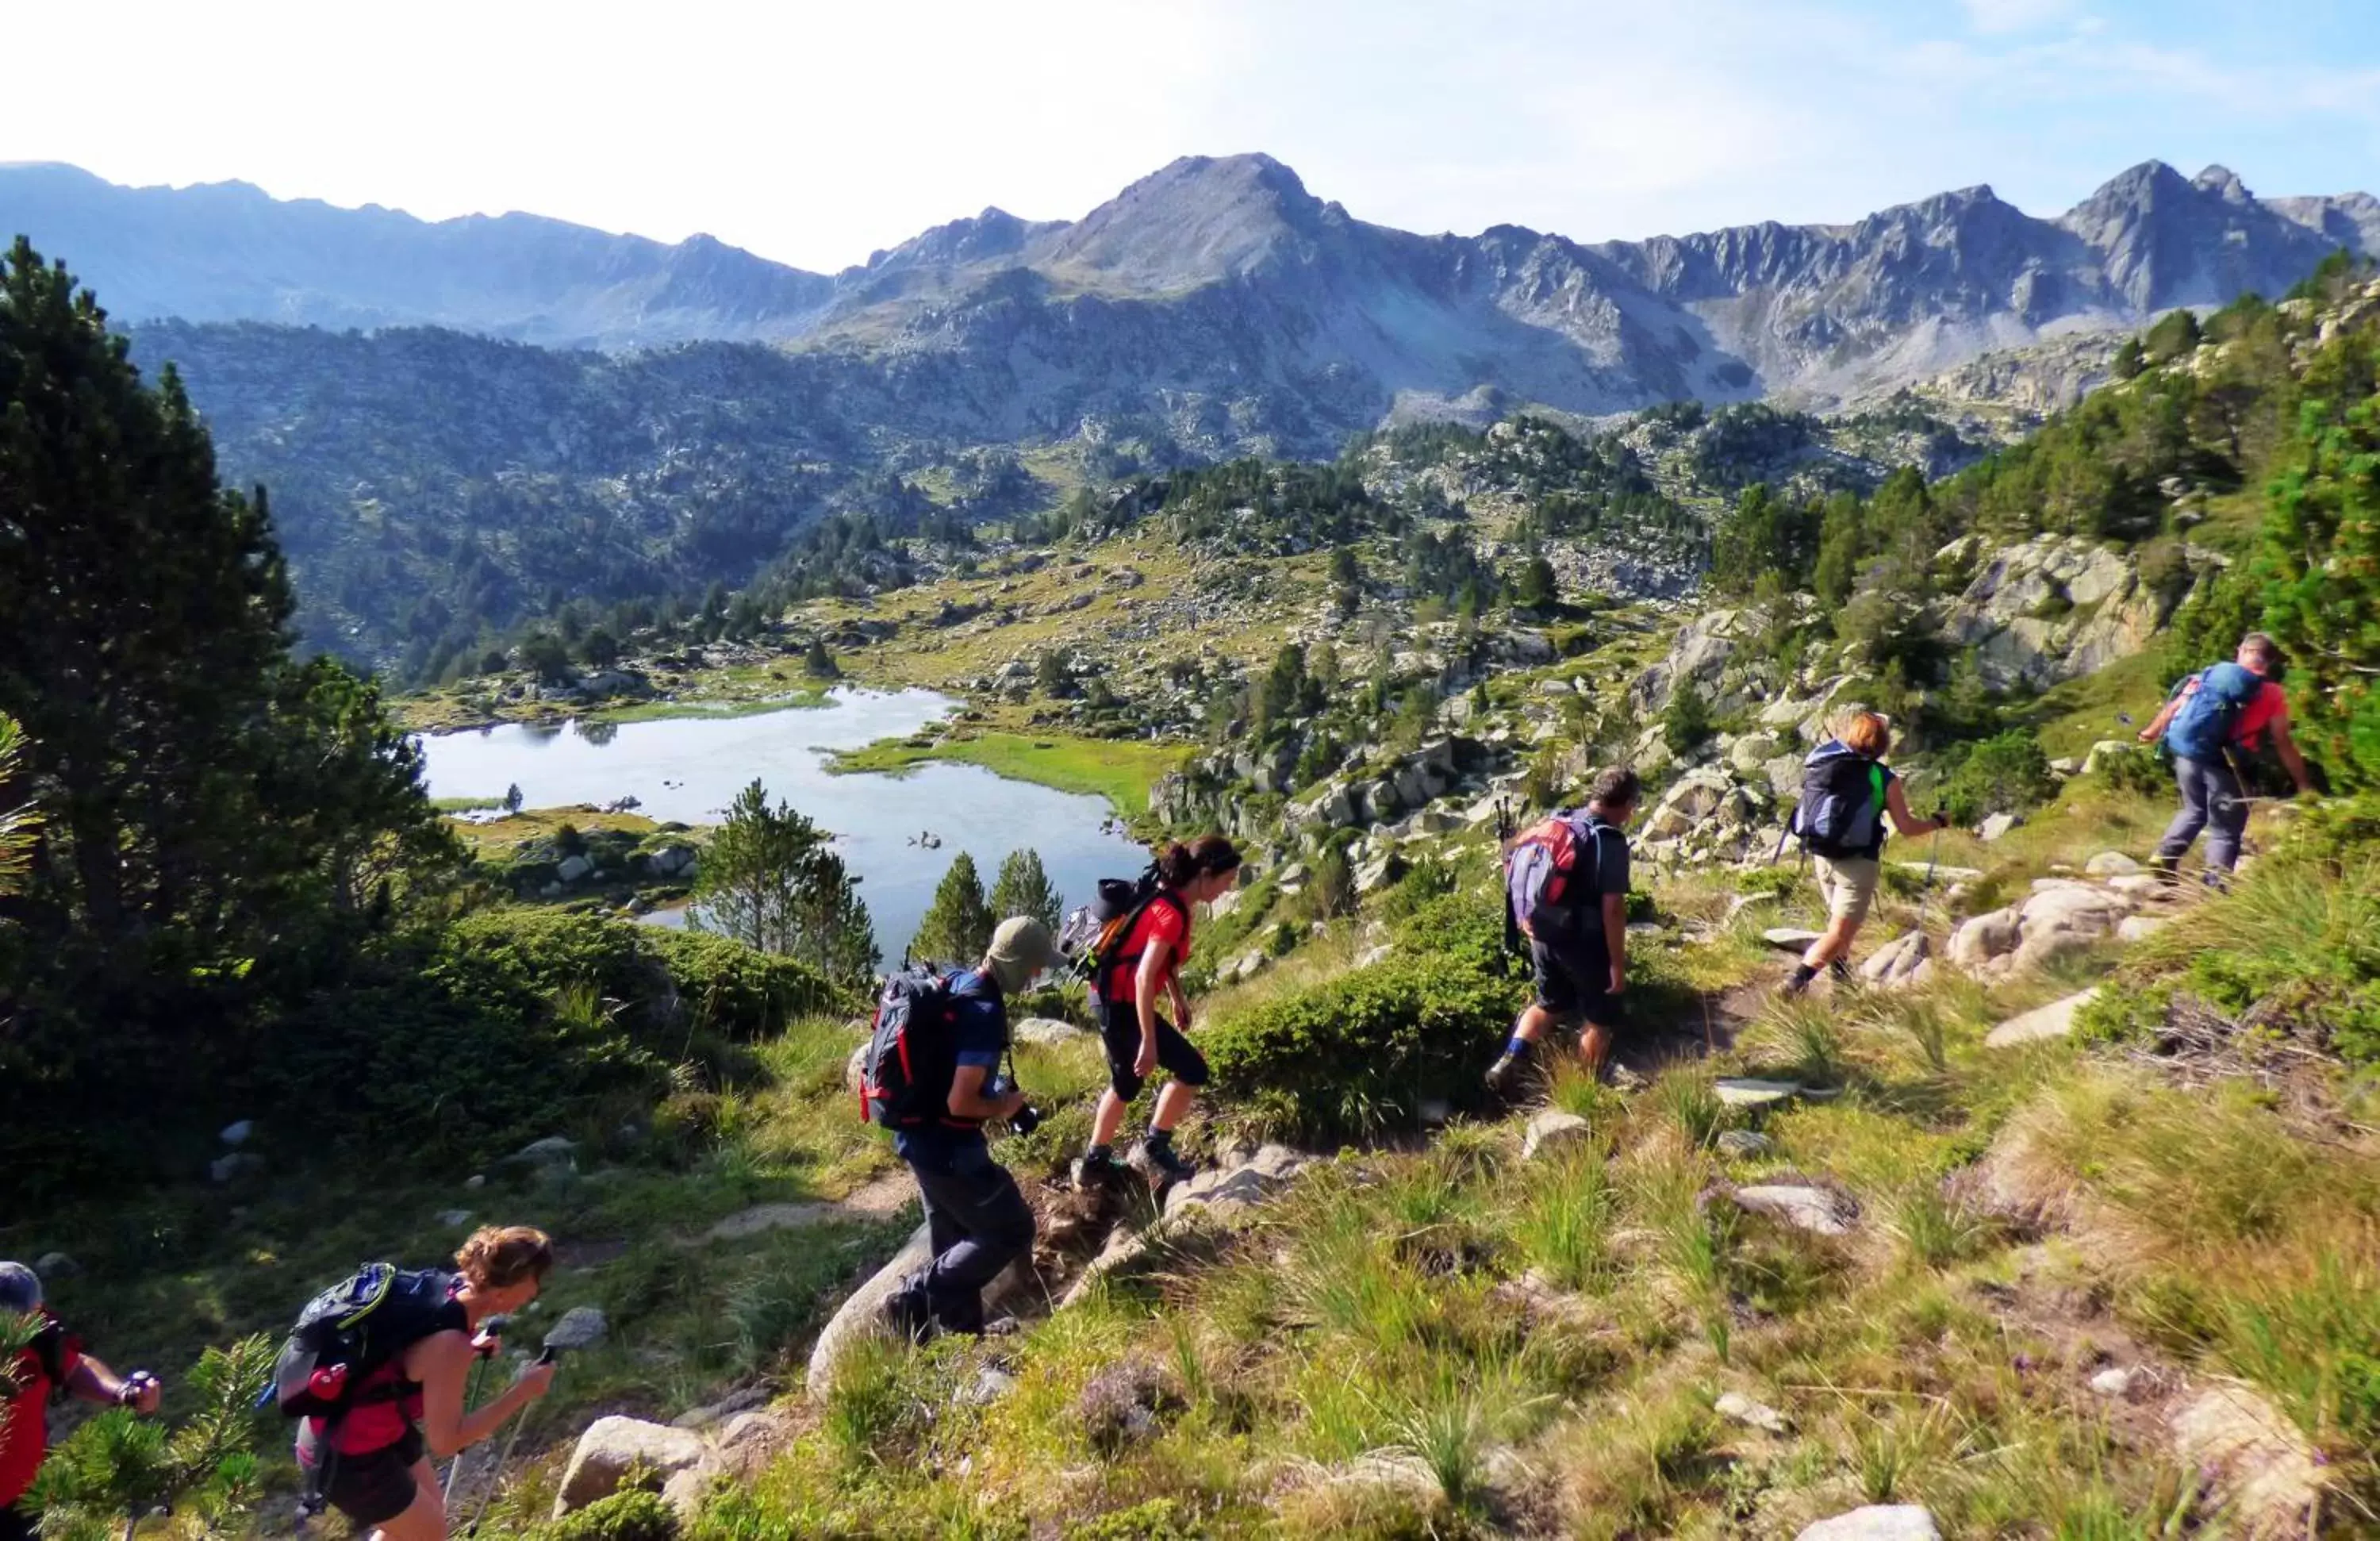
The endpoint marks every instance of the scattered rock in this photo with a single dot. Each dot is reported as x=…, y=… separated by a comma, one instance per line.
x=1998, y=826
x=726, y=1407
x=239, y=1133
x=1551, y=1129
x=232, y=1168
x=2112, y=1383
x=1744, y=1410
x=1790, y=939
x=1123, y=1247
x=2137, y=885
x=1899, y=964
x=2111, y=864
x=1373, y=955
x=56, y=1265
x=554, y=1150
x=1819, y=1210
x=2053, y=1021
x=1044, y=1030
x=2140, y=927
x=580, y=1328
x=1229, y=1189
x=1743, y=1145
x=1744, y=1091
x=573, y=868
x=2260, y=1463
x=1433, y=1111
x=860, y=1316
x=1897, y=1521
x=474, y=1182
x=2102, y=752
x=453, y=1219
x=992, y=1385
x=610, y=1446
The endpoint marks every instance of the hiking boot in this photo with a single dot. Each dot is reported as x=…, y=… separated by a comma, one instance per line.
x=908, y=1315
x=1096, y=1168
x=1799, y=984
x=1157, y=1156
x=1510, y=1073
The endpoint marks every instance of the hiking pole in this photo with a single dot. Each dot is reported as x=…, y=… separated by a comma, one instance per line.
x=492, y=1327
x=1932, y=855
x=580, y=1327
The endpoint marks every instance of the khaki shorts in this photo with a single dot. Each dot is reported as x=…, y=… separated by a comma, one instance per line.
x=1848, y=885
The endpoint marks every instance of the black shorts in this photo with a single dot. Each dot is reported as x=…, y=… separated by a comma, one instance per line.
x=1120, y=1031
x=1574, y=982
x=370, y=1488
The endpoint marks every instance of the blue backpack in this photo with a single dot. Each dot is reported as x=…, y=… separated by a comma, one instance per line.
x=2202, y=727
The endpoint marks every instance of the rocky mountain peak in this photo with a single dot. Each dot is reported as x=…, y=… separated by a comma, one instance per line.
x=1197, y=219
x=2224, y=183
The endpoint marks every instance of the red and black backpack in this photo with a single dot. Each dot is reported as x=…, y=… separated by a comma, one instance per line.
x=912, y=1050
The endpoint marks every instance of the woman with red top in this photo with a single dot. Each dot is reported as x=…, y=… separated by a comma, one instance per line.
x=373, y=1465
x=1148, y=965
x=55, y=1365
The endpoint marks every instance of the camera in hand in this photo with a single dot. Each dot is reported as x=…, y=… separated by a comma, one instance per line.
x=1026, y=1119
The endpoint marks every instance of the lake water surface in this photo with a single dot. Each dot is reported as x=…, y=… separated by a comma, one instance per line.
x=689, y=769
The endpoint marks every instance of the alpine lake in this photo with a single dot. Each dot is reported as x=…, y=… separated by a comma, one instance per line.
x=897, y=835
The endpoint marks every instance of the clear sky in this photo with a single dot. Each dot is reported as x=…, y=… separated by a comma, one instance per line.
x=814, y=133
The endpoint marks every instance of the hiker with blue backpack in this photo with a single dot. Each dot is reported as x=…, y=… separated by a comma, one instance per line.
x=933, y=1076
x=1848, y=794
x=2221, y=708
x=1566, y=891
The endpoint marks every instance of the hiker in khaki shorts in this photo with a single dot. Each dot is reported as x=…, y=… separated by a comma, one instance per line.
x=1847, y=792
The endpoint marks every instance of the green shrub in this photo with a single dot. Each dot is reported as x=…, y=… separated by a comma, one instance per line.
x=2003, y=774
x=1344, y=1058
x=2135, y=767
x=631, y=1515
x=507, y=1023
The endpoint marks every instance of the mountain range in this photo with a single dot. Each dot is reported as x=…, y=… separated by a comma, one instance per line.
x=1221, y=294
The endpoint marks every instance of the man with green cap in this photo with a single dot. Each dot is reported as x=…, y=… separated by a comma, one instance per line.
x=977, y=1221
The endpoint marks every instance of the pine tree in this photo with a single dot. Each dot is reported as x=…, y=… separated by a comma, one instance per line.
x=20, y=822
x=513, y=798
x=2321, y=564
x=818, y=663
x=770, y=881
x=1024, y=888
x=957, y=925
x=1537, y=588
x=1685, y=722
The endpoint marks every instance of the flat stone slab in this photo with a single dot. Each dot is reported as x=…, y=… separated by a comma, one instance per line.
x=1817, y=1211
x=1879, y=1521
x=1742, y=1091
x=1551, y=1130
x=764, y=1217
x=1788, y=937
x=1742, y=1409
x=1942, y=874
x=2053, y=1021
x=1743, y=1145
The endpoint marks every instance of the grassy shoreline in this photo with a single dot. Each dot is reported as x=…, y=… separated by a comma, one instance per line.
x=1120, y=770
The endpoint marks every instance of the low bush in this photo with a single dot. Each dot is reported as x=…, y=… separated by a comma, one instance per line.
x=632, y=1514
x=1363, y=1051
x=507, y=1023
x=2003, y=774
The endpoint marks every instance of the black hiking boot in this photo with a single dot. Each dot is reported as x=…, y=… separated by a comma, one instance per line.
x=1512, y=1074
x=1157, y=1156
x=1096, y=1168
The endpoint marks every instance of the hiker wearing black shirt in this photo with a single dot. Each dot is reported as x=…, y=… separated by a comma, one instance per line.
x=1567, y=884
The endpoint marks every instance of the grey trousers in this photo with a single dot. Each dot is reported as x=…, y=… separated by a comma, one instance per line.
x=977, y=1222
x=2210, y=797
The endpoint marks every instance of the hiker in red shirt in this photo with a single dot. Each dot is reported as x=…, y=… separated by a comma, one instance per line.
x=1138, y=1041
x=54, y=1367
